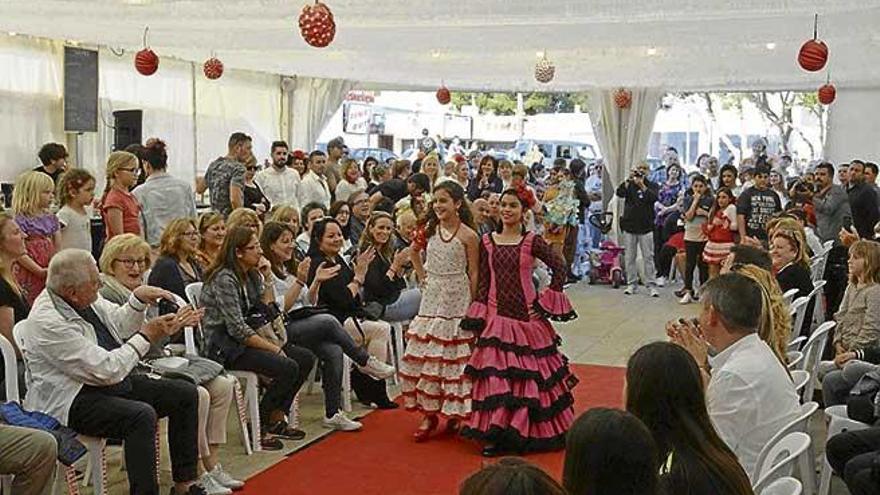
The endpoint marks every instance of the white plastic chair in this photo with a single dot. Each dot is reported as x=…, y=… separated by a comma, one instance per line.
x=794, y=359
x=813, y=353
x=800, y=378
x=816, y=269
x=795, y=344
x=818, y=295
x=838, y=422
x=788, y=296
x=802, y=424
x=783, y=486
x=251, y=406
x=791, y=450
x=798, y=310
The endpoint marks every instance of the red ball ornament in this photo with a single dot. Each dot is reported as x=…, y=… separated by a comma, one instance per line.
x=316, y=25
x=146, y=62
x=813, y=55
x=827, y=93
x=213, y=68
x=443, y=96
x=623, y=98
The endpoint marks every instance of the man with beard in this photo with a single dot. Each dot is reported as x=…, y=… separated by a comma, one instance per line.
x=279, y=183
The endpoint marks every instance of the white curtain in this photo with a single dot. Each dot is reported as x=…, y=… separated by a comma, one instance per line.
x=312, y=104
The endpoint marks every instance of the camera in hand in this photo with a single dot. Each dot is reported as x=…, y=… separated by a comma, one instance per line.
x=167, y=307
x=637, y=174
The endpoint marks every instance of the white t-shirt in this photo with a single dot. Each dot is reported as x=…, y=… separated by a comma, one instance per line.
x=76, y=228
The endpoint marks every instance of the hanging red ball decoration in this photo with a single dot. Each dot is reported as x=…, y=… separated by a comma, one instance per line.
x=545, y=71
x=146, y=62
x=213, y=68
x=813, y=55
x=827, y=93
x=316, y=24
x=443, y=95
x=623, y=98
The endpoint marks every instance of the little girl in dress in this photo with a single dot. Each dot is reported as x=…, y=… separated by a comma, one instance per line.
x=33, y=195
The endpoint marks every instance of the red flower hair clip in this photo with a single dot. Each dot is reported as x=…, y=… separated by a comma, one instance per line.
x=525, y=196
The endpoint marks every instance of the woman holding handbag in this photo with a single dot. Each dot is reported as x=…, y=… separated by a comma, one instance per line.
x=235, y=299
x=341, y=295
x=313, y=327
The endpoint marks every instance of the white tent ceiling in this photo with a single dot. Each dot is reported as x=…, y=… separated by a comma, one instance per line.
x=489, y=44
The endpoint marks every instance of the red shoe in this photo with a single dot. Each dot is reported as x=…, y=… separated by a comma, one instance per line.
x=422, y=434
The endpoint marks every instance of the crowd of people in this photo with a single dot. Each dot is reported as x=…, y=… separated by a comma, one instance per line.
x=315, y=259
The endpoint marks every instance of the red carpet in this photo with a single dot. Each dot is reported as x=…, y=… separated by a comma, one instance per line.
x=383, y=459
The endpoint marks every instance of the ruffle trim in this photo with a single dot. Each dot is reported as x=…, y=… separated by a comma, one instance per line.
x=554, y=305
x=429, y=338
x=520, y=350
x=432, y=378
x=436, y=359
x=563, y=373
x=437, y=412
x=510, y=439
x=441, y=397
x=475, y=319
x=536, y=412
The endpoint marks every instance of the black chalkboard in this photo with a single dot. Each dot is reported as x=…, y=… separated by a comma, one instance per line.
x=80, y=90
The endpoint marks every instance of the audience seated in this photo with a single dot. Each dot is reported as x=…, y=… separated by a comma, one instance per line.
x=314, y=328
x=233, y=295
x=81, y=351
x=311, y=213
x=610, y=452
x=13, y=306
x=341, y=295
x=856, y=340
x=30, y=456
x=244, y=217
x=511, y=476
x=212, y=231
x=359, y=202
x=775, y=319
x=788, y=250
x=854, y=455
x=176, y=267
x=123, y=262
x=749, y=394
x=342, y=213
x=385, y=282
x=664, y=389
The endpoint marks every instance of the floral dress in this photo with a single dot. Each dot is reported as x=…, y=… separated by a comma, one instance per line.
x=40, y=246
x=432, y=368
x=562, y=212
x=521, y=380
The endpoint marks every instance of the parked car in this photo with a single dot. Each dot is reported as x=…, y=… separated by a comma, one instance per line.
x=380, y=154
x=552, y=150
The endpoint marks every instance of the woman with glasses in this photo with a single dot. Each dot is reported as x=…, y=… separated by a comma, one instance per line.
x=119, y=208
x=385, y=282
x=253, y=194
x=341, y=211
x=124, y=260
x=176, y=267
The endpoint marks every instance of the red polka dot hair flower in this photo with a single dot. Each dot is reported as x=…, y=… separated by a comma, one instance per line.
x=525, y=196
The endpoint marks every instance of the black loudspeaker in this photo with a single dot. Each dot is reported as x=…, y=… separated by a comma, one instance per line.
x=127, y=128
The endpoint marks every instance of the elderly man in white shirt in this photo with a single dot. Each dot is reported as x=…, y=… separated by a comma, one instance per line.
x=313, y=188
x=279, y=183
x=81, y=353
x=749, y=394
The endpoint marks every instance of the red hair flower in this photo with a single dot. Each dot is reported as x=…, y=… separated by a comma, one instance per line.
x=525, y=196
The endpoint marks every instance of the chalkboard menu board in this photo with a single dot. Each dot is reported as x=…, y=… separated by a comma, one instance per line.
x=80, y=90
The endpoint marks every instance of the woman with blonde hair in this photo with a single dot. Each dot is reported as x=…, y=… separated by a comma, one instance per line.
x=775, y=327
x=212, y=230
x=123, y=263
x=244, y=217
x=33, y=195
x=286, y=214
x=13, y=305
x=351, y=180
x=176, y=267
x=788, y=252
x=431, y=168
x=119, y=208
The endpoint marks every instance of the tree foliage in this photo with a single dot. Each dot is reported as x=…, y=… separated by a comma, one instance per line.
x=533, y=103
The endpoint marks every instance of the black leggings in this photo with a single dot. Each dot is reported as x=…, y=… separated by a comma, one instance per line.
x=694, y=258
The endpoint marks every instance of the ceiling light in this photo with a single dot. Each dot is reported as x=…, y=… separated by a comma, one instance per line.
x=539, y=54
x=771, y=46
x=12, y=33
x=652, y=51
x=435, y=53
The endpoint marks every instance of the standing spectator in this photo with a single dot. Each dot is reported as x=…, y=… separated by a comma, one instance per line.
x=350, y=181
x=279, y=182
x=871, y=177
x=297, y=161
x=720, y=230
x=696, y=212
x=431, y=168
x=593, y=185
x=225, y=175
x=832, y=211
x=314, y=187
x=728, y=177
x=76, y=191
x=610, y=452
x=486, y=179
x=162, y=197
x=393, y=187
x=776, y=180
x=862, y=201
x=755, y=206
x=419, y=187
x=749, y=393
x=254, y=199
x=843, y=175
x=30, y=203
x=637, y=224
x=359, y=203
x=335, y=151
x=367, y=167
x=53, y=157
x=119, y=208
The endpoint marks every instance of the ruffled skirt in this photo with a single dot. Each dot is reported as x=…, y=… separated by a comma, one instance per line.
x=521, y=386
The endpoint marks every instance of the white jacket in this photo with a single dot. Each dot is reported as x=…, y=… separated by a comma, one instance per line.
x=62, y=354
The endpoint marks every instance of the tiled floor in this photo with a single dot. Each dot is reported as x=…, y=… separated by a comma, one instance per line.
x=610, y=327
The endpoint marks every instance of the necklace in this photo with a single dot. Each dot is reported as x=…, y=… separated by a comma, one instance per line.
x=447, y=241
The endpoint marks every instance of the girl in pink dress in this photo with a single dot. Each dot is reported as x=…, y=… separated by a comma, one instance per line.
x=432, y=369
x=34, y=192
x=521, y=395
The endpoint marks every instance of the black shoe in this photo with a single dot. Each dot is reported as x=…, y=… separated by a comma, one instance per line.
x=283, y=430
x=387, y=404
x=194, y=489
x=492, y=450
x=680, y=292
x=270, y=443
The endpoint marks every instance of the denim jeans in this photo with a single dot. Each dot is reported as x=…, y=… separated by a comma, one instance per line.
x=405, y=308
x=836, y=384
x=324, y=335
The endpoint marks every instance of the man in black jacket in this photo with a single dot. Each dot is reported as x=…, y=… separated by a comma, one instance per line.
x=862, y=201
x=637, y=224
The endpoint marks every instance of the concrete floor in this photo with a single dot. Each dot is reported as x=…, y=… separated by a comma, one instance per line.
x=611, y=325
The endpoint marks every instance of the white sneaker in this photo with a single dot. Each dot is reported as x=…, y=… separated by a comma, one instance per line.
x=660, y=281
x=630, y=290
x=654, y=292
x=212, y=486
x=340, y=422
x=686, y=298
x=225, y=479
x=377, y=369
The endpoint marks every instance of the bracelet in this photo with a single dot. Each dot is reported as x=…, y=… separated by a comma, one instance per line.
x=299, y=282
x=359, y=282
